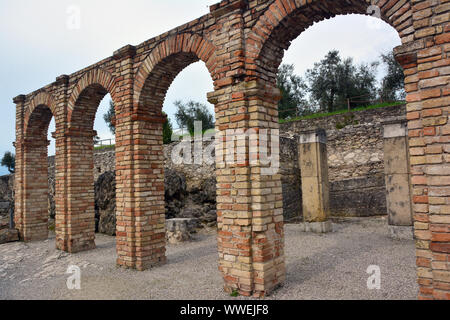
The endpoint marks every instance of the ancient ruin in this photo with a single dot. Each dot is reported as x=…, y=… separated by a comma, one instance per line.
x=242, y=43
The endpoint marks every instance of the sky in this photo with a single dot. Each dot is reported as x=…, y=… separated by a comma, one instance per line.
x=42, y=40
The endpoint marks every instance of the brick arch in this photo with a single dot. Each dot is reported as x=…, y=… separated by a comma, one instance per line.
x=285, y=20
x=165, y=62
x=87, y=94
x=38, y=115
x=83, y=104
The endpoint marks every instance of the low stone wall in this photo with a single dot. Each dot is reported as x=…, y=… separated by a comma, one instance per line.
x=6, y=204
x=358, y=197
x=4, y=214
x=291, y=183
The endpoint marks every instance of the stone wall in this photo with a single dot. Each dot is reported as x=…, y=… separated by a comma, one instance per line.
x=6, y=203
x=6, y=197
x=355, y=158
x=290, y=178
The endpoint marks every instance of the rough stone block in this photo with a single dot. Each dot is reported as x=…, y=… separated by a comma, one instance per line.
x=401, y=233
x=8, y=235
x=180, y=230
x=317, y=227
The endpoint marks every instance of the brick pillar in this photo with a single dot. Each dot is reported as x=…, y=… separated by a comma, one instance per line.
x=426, y=64
x=141, y=232
x=397, y=176
x=61, y=165
x=140, y=206
x=315, y=186
x=249, y=195
x=35, y=180
x=31, y=181
x=19, y=198
x=76, y=225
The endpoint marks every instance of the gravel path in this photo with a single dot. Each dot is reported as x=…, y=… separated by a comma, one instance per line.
x=331, y=266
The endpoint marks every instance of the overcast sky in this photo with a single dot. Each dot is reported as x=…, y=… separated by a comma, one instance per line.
x=38, y=45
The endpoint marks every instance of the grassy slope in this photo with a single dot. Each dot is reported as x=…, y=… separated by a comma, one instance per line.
x=328, y=114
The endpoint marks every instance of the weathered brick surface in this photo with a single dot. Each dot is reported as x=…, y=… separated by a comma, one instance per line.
x=242, y=44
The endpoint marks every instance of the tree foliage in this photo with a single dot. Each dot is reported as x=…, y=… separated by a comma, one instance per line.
x=9, y=161
x=167, y=131
x=392, y=87
x=333, y=80
x=111, y=114
x=293, y=92
x=188, y=113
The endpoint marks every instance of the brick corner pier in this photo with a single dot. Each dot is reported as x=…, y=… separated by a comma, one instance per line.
x=242, y=43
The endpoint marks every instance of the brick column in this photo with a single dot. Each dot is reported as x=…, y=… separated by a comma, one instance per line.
x=426, y=64
x=249, y=195
x=315, y=186
x=19, y=198
x=141, y=233
x=76, y=225
x=140, y=211
x=398, y=177
x=61, y=165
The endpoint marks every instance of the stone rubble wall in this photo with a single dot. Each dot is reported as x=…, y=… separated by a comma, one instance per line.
x=6, y=198
x=355, y=158
x=6, y=203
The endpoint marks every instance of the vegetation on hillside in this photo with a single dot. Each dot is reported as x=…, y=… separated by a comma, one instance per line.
x=336, y=84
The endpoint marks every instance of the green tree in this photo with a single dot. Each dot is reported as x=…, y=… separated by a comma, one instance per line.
x=333, y=80
x=188, y=113
x=9, y=161
x=323, y=81
x=293, y=91
x=167, y=131
x=393, y=84
x=109, y=116
x=361, y=85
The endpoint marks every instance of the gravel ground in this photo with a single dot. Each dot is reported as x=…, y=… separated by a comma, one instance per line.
x=331, y=266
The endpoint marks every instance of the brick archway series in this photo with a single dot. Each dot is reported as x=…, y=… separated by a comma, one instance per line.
x=242, y=44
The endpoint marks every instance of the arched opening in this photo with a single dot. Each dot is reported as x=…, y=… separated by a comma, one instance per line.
x=52, y=175
x=194, y=197
x=280, y=32
x=33, y=209
x=76, y=225
x=104, y=168
x=354, y=125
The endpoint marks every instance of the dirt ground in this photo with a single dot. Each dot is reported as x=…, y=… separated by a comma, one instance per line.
x=330, y=266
